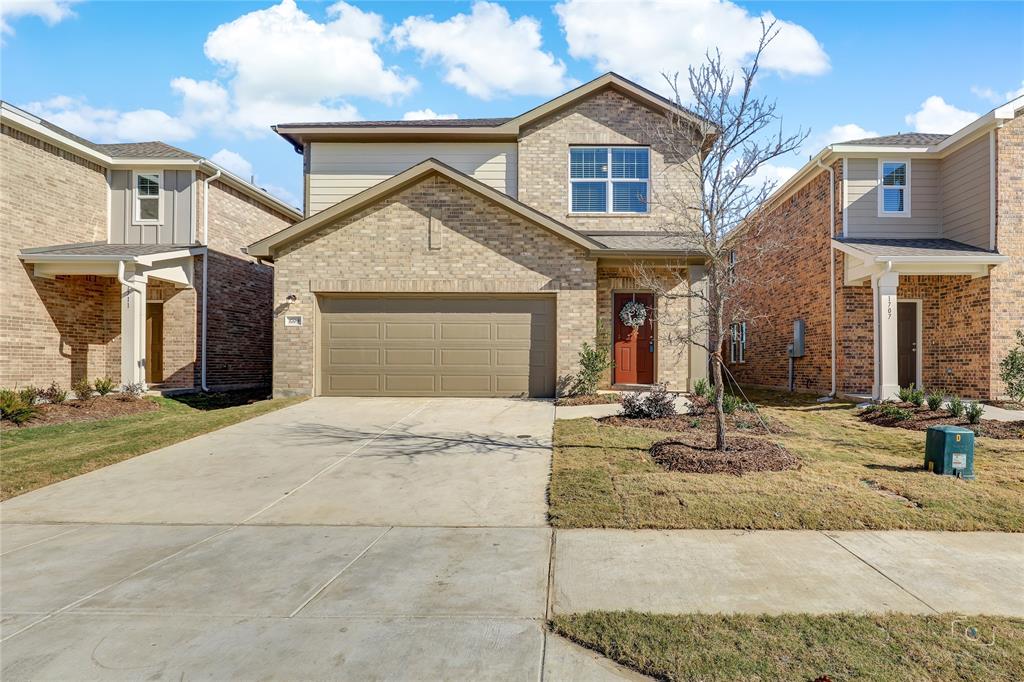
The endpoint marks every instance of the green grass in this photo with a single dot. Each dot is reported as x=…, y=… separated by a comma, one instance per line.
x=882, y=648
x=38, y=456
x=603, y=477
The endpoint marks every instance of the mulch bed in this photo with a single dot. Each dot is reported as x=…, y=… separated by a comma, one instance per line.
x=85, y=410
x=596, y=399
x=921, y=418
x=743, y=422
x=741, y=456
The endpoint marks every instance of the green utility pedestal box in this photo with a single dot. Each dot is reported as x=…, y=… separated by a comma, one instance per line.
x=949, y=450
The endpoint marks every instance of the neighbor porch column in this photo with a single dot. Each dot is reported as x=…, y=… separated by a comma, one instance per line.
x=887, y=383
x=133, y=329
x=697, y=277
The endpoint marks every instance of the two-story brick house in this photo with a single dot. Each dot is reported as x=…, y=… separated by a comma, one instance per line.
x=904, y=258
x=475, y=257
x=125, y=261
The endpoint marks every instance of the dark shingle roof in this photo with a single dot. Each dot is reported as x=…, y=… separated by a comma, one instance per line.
x=103, y=249
x=901, y=140
x=145, y=150
x=419, y=123
x=914, y=247
x=640, y=241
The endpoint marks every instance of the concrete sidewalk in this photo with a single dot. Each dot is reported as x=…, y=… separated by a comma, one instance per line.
x=723, y=571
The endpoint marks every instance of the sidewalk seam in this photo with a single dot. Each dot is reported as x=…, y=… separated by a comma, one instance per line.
x=878, y=571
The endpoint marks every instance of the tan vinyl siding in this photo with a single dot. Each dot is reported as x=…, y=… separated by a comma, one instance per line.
x=966, y=194
x=863, y=218
x=178, y=213
x=338, y=170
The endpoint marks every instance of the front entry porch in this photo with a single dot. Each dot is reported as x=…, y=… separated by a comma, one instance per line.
x=930, y=313
x=149, y=276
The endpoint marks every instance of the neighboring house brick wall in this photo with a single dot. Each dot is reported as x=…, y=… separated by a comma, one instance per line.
x=241, y=299
x=384, y=249
x=59, y=329
x=1007, y=280
x=605, y=118
x=790, y=281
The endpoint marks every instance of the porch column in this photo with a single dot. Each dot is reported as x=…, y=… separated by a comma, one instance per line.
x=133, y=328
x=887, y=384
x=697, y=278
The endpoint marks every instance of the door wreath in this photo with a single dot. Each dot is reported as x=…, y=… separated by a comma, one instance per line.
x=633, y=314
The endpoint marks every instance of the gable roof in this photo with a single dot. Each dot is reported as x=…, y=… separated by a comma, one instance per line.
x=480, y=128
x=153, y=154
x=900, y=140
x=267, y=247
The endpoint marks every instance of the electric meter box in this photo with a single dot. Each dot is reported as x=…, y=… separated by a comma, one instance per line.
x=949, y=450
x=799, y=330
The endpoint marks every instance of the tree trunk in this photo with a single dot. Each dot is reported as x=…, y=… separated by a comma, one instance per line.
x=716, y=370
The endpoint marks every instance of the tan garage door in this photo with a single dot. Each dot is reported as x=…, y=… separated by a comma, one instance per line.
x=437, y=346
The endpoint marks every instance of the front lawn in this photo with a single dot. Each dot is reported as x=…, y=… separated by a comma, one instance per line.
x=883, y=648
x=853, y=476
x=37, y=456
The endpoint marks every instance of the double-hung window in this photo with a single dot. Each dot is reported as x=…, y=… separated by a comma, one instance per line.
x=894, y=189
x=148, y=203
x=609, y=179
x=738, y=342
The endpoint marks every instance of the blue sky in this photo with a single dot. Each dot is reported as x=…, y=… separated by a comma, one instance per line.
x=212, y=76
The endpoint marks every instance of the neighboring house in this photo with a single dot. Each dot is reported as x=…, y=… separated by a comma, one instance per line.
x=927, y=236
x=104, y=253
x=475, y=257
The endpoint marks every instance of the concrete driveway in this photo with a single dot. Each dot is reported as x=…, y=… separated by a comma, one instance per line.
x=339, y=538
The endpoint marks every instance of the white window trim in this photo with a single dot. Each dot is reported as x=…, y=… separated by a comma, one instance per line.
x=738, y=342
x=882, y=213
x=136, y=218
x=608, y=180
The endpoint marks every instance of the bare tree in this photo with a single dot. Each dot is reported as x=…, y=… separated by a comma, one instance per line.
x=739, y=132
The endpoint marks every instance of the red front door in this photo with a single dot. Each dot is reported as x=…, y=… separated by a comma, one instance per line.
x=634, y=348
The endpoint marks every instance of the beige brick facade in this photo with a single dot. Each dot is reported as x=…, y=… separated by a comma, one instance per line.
x=68, y=328
x=1007, y=297
x=59, y=329
x=384, y=249
x=604, y=118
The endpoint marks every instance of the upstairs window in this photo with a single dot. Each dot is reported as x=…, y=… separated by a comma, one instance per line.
x=609, y=179
x=894, y=196
x=738, y=342
x=148, y=203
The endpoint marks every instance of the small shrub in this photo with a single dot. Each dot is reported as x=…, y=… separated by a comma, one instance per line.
x=895, y=413
x=748, y=407
x=730, y=403
x=30, y=394
x=973, y=412
x=904, y=393
x=594, y=362
x=868, y=409
x=55, y=394
x=703, y=389
x=955, y=406
x=934, y=401
x=694, y=423
x=104, y=385
x=655, y=404
x=131, y=392
x=82, y=389
x=916, y=396
x=1011, y=369
x=14, y=409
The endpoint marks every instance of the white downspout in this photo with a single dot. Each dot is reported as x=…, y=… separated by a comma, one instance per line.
x=832, y=264
x=206, y=259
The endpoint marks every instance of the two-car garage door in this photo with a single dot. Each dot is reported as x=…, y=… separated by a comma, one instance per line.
x=437, y=346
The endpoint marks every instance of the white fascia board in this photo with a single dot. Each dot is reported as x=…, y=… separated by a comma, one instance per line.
x=17, y=120
x=988, y=259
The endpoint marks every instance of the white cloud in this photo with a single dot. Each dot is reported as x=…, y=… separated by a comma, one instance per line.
x=284, y=66
x=990, y=95
x=50, y=11
x=772, y=174
x=282, y=193
x=426, y=115
x=644, y=38
x=486, y=53
x=936, y=116
x=843, y=132
x=111, y=125
x=233, y=162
